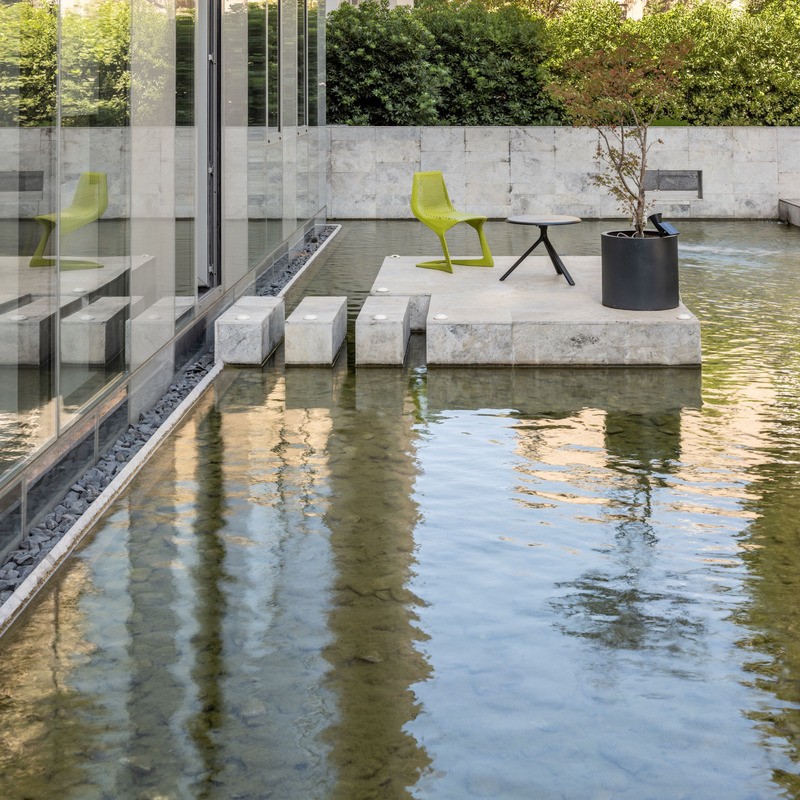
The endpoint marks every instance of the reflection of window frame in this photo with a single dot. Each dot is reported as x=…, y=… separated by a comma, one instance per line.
x=312, y=13
x=302, y=63
x=273, y=99
x=263, y=64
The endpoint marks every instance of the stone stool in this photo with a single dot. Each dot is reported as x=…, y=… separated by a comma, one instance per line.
x=383, y=328
x=316, y=330
x=249, y=330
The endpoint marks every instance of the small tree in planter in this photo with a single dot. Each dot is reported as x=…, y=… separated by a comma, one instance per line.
x=621, y=93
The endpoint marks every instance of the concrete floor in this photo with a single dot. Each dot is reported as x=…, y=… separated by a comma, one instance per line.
x=534, y=317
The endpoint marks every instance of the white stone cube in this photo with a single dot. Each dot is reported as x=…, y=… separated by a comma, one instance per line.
x=383, y=328
x=316, y=330
x=249, y=330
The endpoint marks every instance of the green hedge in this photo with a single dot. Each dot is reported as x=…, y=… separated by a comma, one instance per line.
x=487, y=65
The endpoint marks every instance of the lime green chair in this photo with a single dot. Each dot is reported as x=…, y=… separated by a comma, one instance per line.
x=88, y=204
x=431, y=205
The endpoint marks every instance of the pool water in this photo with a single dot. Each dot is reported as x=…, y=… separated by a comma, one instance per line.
x=446, y=584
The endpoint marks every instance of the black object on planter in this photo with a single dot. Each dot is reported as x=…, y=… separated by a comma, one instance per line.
x=664, y=228
x=640, y=273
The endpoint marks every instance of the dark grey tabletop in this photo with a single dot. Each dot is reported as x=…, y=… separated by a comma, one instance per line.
x=543, y=219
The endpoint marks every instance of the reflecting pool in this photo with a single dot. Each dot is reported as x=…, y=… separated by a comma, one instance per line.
x=445, y=584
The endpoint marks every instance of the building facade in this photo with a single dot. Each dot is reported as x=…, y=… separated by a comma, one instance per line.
x=156, y=156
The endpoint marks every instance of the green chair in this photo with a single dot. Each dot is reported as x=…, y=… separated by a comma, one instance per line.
x=88, y=204
x=431, y=205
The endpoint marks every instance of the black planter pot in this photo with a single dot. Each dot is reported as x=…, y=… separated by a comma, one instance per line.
x=640, y=273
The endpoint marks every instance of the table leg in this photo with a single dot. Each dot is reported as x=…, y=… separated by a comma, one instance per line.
x=542, y=238
x=556, y=259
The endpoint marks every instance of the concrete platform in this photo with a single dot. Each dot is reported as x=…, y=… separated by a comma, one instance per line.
x=534, y=317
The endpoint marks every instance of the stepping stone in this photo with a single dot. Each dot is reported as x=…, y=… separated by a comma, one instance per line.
x=249, y=330
x=316, y=330
x=383, y=328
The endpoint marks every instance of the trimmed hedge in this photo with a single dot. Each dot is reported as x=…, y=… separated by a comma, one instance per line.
x=489, y=66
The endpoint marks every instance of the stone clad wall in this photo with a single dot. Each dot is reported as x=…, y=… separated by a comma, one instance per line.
x=502, y=171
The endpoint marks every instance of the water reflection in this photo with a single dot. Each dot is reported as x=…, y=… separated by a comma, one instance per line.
x=770, y=642
x=374, y=653
x=616, y=607
x=154, y=693
x=209, y=576
x=50, y=727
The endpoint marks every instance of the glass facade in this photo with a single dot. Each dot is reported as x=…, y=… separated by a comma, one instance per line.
x=155, y=155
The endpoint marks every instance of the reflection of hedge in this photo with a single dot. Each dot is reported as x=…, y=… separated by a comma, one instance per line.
x=95, y=63
x=471, y=65
x=28, y=37
x=95, y=73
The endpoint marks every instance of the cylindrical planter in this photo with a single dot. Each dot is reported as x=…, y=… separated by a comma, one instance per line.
x=640, y=273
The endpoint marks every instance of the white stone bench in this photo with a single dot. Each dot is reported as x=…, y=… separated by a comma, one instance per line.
x=315, y=330
x=95, y=333
x=249, y=330
x=383, y=328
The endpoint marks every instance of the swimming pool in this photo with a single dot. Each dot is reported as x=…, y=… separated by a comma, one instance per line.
x=442, y=583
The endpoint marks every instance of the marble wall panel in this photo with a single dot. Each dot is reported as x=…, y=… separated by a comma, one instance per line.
x=745, y=170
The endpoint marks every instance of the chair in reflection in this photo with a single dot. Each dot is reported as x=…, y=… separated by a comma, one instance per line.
x=88, y=204
x=431, y=205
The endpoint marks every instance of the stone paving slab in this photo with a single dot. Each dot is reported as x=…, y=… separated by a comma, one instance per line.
x=534, y=317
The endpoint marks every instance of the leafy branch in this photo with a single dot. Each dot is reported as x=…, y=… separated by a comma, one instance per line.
x=621, y=92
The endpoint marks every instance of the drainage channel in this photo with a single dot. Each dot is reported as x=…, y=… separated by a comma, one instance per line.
x=27, y=570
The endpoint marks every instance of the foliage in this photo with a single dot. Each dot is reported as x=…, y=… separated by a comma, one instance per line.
x=743, y=67
x=585, y=27
x=481, y=62
x=184, y=67
x=28, y=38
x=379, y=70
x=621, y=91
x=95, y=65
x=493, y=62
x=542, y=8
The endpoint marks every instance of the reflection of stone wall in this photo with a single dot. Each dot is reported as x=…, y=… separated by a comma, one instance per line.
x=502, y=171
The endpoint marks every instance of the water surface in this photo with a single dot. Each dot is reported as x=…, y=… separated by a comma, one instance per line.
x=447, y=584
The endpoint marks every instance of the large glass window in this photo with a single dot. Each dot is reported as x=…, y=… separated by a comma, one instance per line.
x=28, y=196
x=105, y=155
x=273, y=65
x=302, y=62
x=264, y=144
x=91, y=240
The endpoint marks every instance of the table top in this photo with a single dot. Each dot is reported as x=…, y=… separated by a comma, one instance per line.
x=543, y=219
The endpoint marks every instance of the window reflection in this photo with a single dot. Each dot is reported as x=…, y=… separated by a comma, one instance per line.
x=28, y=296
x=302, y=63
